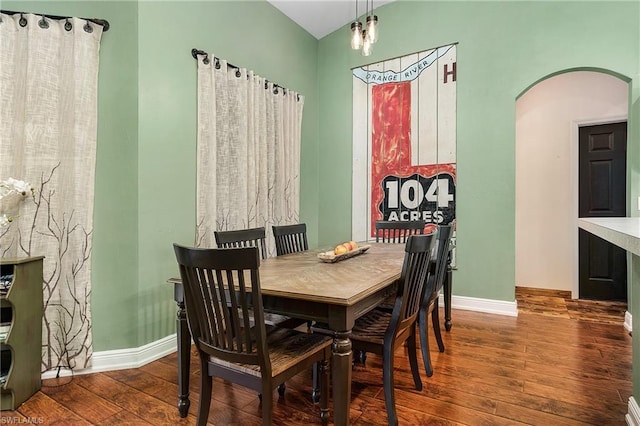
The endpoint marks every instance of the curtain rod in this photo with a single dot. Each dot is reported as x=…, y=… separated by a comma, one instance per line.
x=196, y=52
x=102, y=22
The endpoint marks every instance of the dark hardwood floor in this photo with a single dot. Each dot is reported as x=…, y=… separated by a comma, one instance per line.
x=557, y=363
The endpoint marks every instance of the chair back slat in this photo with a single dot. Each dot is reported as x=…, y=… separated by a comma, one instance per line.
x=223, y=301
x=290, y=238
x=412, y=282
x=251, y=237
x=389, y=231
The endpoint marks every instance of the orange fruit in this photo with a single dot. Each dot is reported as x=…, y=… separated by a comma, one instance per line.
x=340, y=249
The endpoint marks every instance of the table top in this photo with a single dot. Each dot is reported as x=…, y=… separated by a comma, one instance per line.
x=303, y=276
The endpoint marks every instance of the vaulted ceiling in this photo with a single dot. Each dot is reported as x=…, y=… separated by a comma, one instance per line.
x=322, y=17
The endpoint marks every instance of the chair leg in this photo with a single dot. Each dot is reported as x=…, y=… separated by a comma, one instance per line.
x=424, y=341
x=324, y=388
x=206, y=385
x=267, y=403
x=316, y=392
x=413, y=358
x=435, y=319
x=281, y=388
x=388, y=384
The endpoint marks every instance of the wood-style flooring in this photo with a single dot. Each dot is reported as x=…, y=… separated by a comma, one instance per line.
x=560, y=362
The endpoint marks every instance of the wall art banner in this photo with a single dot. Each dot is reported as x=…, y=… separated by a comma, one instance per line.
x=404, y=140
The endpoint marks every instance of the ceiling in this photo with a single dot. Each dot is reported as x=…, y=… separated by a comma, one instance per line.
x=322, y=17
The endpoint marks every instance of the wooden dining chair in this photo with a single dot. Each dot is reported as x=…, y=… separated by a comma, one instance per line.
x=393, y=231
x=290, y=238
x=251, y=237
x=437, y=273
x=254, y=237
x=383, y=332
x=235, y=344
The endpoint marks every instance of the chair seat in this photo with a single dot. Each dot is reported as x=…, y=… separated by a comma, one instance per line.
x=282, y=320
x=286, y=347
x=368, y=328
x=372, y=327
x=388, y=303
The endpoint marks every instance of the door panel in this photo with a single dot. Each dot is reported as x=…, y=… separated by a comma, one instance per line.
x=602, y=193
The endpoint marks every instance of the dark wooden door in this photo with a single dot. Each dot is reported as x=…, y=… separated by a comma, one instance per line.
x=602, y=193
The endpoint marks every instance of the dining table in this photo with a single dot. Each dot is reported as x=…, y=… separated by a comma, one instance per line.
x=302, y=285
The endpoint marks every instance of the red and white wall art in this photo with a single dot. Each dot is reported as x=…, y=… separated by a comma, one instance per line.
x=404, y=140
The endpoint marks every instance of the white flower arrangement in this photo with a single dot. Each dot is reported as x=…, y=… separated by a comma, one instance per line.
x=12, y=191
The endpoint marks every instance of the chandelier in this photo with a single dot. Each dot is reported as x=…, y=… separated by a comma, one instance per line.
x=364, y=38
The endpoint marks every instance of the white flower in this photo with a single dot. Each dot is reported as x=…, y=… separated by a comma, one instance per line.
x=12, y=191
x=11, y=185
x=4, y=221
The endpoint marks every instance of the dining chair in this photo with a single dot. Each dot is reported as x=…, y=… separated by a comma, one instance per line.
x=290, y=238
x=437, y=273
x=254, y=237
x=235, y=344
x=250, y=237
x=383, y=332
x=393, y=231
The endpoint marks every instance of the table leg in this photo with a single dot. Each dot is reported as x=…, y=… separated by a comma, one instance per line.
x=341, y=377
x=447, y=299
x=184, y=355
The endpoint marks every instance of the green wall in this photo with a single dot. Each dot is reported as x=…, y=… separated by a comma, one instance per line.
x=250, y=34
x=503, y=48
x=145, y=171
x=145, y=168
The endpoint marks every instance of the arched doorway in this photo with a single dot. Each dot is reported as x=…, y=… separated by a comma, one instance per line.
x=548, y=115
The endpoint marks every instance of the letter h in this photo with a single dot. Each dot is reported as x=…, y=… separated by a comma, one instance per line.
x=451, y=73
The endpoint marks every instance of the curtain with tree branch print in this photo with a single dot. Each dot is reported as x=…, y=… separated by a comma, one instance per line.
x=248, y=164
x=48, y=117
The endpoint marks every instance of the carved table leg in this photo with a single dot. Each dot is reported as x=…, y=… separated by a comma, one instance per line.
x=341, y=377
x=184, y=355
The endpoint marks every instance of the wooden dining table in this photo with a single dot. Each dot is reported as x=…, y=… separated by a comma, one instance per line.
x=300, y=285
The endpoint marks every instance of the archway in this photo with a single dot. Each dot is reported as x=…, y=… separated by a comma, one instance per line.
x=548, y=115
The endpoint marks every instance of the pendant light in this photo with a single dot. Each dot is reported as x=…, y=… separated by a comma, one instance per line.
x=356, y=35
x=356, y=32
x=367, y=45
x=364, y=37
x=372, y=26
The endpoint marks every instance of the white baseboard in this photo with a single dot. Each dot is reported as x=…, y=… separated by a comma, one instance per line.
x=628, y=325
x=489, y=306
x=121, y=359
x=633, y=413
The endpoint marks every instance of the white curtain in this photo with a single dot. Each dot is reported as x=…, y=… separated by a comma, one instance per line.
x=48, y=122
x=248, y=165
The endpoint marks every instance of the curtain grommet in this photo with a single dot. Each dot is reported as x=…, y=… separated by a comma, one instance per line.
x=87, y=28
x=67, y=25
x=22, y=21
x=42, y=23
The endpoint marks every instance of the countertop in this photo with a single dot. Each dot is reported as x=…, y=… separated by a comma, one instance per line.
x=621, y=231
